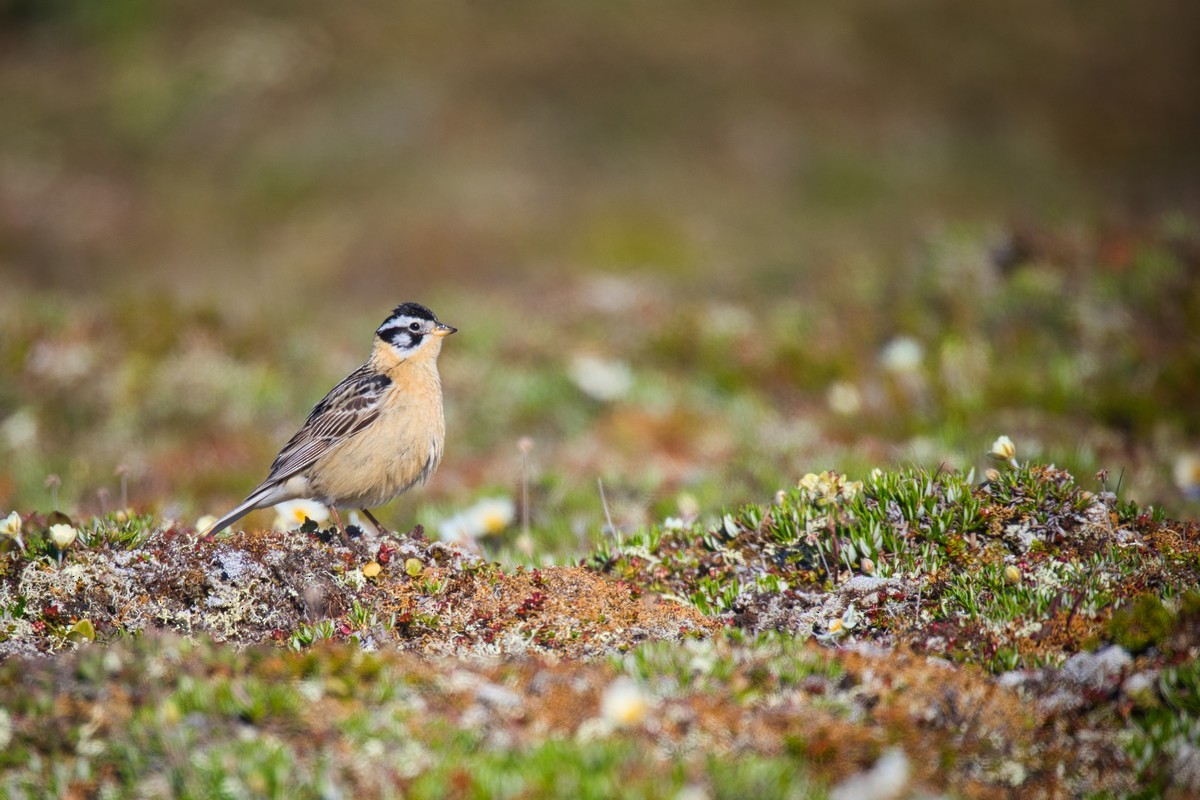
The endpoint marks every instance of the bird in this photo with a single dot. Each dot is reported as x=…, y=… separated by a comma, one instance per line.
x=380, y=432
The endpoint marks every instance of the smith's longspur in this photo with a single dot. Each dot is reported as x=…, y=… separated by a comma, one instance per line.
x=377, y=434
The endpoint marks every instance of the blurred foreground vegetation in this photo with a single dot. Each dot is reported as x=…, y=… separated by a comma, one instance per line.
x=908, y=634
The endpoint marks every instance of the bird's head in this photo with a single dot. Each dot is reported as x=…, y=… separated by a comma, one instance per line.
x=412, y=332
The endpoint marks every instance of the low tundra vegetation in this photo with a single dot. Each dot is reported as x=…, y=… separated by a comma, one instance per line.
x=793, y=647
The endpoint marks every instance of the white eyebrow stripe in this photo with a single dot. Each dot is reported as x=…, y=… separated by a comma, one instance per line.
x=392, y=329
x=400, y=323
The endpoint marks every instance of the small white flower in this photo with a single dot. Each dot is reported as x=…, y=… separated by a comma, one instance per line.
x=492, y=515
x=291, y=514
x=454, y=529
x=843, y=399
x=688, y=505
x=489, y=516
x=903, y=354
x=63, y=536
x=845, y=623
x=600, y=378
x=829, y=487
x=63, y=362
x=624, y=704
x=524, y=544
x=672, y=524
x=21, y=429
x=205, y=522
x=887, y=779
x=1186, y=472
x=11, y=526
x=1004, y=450
x=849, y=617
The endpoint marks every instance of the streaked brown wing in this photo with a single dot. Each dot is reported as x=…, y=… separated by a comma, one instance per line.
x=348, y=408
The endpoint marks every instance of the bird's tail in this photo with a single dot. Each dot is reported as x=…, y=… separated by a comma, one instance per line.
x=259, y=499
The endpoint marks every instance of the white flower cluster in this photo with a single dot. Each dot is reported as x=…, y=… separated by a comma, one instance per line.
x=291, y=514
x=1004, y=450
x=829, y=487
x=487, y=517
x=601, y=379
x=11, y=526
x=62, y=535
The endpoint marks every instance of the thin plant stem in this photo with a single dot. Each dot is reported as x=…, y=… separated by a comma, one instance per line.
x=524, y=494
x=123, y=472
x=604, y=502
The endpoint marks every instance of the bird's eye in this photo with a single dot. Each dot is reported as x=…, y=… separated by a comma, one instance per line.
x=414, y=326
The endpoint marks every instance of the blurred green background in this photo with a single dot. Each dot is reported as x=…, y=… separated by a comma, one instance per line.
x=693, y=248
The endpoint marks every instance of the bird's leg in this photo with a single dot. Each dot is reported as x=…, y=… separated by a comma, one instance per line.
x=382, y=530
x=341, y=527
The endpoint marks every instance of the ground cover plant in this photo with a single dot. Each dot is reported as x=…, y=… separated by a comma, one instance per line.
x=914, y=629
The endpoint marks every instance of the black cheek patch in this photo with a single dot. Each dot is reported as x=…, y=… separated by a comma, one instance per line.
x=401, y=338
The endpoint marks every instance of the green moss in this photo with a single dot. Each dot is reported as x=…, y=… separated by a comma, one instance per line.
x=1141, y=625
x=1189, y=603
x=1160, y=733
x=600, y=769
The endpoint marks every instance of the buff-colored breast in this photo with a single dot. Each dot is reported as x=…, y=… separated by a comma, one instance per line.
x=399, y=450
